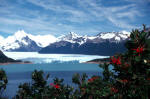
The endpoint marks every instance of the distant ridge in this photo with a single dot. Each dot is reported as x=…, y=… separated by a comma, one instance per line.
x=105, y=43
x=5, y=59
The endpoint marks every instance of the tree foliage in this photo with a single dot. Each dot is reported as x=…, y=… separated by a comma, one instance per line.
x=3, y=81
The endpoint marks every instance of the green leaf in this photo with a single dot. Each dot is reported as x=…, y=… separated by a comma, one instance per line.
x=137, y=58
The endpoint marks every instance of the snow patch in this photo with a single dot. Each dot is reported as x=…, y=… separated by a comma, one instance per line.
x=44, y=40
x=107, y=35
x=117, y=38
x=125, y=33
x=1, y=38
x=92, y=37
x=20, y=34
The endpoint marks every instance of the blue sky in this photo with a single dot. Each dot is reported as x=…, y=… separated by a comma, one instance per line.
x=85, y=17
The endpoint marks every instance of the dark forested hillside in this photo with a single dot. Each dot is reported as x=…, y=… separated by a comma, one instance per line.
x=5, y=59
x=104, y=48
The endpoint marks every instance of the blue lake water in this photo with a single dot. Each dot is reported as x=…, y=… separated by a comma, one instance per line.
x=57, y=65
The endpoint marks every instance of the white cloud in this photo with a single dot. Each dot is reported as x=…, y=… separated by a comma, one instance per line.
x=113, y=14
x=85, y=11
x=74, y=15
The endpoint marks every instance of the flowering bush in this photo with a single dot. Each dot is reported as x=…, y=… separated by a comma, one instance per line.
x=40, y=89
x=129, y=79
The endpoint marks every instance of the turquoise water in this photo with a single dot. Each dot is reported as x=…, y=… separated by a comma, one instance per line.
x=57, y=65
x=20, y=73
x=65, y=66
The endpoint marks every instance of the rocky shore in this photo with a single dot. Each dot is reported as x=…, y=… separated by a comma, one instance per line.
x=98, y=61
x=25, y=62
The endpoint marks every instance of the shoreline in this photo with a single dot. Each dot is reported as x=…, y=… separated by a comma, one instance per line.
x=16, y=63
x=91, y=62
x=95, y=62
x=98, y=61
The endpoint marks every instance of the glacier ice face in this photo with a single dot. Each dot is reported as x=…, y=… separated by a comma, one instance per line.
x=48, y=58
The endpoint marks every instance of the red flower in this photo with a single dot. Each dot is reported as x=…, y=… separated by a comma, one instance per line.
x=113, y=60
x=139, y=50
x=116, y=60
x=124, y=81
x=56, y=86
x=148, y=79
x=96, y=77
x=114, y=90
x=126, y=65
x=92, y=79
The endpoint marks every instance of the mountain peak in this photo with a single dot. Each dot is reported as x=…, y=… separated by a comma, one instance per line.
x=114, y=36
x=106, y=35
x=73, y=34
x=73, y=38
x=70, y=36
x=20, y=34
x=125, y=32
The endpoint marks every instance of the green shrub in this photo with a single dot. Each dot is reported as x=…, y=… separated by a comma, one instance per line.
x=3, y=81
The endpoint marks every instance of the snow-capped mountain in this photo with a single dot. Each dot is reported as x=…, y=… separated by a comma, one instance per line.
x=101, y=37
x=1, y=40
x=22, y=41
x=110, y=36
x=71, y=43
x=43, y=40
x=99, y=44
x=114, y=36
x=73, y=38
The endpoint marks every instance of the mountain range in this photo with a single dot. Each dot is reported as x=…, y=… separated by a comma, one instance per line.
x=104, y=43
x=107, y=43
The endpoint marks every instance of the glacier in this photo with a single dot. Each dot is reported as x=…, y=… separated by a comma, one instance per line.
x=49, y=58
